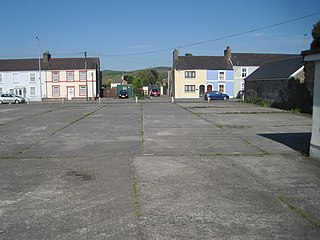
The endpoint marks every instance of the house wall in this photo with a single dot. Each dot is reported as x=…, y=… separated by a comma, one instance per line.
x=21, y=83
x=238, y=79
x=66, y=86
x=315, y=137
x=213, y=79
x=206, y=78
x=181, y=81
x=280, y=93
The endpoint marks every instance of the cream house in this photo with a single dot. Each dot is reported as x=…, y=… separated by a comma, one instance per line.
x=191, y=76
x=71, y=78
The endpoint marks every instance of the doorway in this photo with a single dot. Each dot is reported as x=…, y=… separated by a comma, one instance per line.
x=70, y=93
x=201, y=90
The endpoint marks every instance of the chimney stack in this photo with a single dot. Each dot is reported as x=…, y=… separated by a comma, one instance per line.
x=175, y=57
x=46, y=57
x=227, y=53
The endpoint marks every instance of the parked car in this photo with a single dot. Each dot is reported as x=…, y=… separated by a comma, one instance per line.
x=123, y=94
x=216, y=95
x=240, y=94
x=11, y=98
x=155, y=92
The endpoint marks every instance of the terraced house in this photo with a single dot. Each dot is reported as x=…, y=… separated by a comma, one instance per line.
x=192, y=76
x=51, y=78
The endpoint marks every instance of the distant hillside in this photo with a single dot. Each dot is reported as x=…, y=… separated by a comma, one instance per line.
x=109, y=74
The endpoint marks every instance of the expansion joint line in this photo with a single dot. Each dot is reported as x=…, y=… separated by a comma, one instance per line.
x=221, y=127
x=142, y=129
x=59, y=130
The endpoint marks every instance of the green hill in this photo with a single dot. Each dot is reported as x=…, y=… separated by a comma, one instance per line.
x=117, y=75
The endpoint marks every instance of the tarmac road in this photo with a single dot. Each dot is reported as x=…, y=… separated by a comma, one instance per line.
x=156, y=170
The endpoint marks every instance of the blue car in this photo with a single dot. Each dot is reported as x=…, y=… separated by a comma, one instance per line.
x=216, y=95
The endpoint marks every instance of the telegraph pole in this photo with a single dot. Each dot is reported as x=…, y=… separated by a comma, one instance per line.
x=40, y=69
x=85, y=66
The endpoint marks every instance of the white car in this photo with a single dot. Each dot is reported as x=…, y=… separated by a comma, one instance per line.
x=11, y=98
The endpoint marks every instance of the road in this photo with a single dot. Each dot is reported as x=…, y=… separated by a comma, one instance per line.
x=156, y=170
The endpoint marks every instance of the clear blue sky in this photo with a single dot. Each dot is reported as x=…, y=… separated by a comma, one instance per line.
x=113, y=29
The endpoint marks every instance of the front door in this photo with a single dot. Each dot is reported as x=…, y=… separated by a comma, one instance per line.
x=70, y=93
x=201, y=92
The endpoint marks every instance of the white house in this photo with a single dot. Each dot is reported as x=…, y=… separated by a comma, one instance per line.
x=21, y=77
x=67, y=78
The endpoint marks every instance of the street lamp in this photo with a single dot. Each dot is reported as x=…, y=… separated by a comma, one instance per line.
x=40, y=69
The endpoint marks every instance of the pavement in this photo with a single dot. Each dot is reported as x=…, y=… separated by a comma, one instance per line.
x=156, y=170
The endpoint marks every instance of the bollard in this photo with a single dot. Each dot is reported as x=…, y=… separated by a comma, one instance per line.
x=62, y=100
x=99, y=100
x=208, y=99
x=28, y=100
x=136, y=99
x=172, y=99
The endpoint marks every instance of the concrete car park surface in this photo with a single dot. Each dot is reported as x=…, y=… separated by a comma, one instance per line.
x=156, y=170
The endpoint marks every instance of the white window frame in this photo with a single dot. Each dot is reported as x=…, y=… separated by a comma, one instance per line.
x=32, y=91
x=53, y=91
x=224, y=87
x=55, y=77
x=15, y=77
x=1, y=76
x=190, y=74
x=244, y=72
x=189, y=88
x=69, y=75
x=1, y=90
x=82, y=90
x=32, y=77
x=82, y=76
x=223, y=74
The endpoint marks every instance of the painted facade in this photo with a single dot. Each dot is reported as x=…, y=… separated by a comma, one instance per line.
x=236, y=67
x=314, y=56
x=70, y=84
x=22, y=83
x=188, y=83
x=67, y=78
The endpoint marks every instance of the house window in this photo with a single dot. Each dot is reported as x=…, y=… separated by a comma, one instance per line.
x=32, y=77
x=189, y=88
x=83, y=76
x=242, y=86
x=1, y=90
x=56, y=91
x=0, y=77
x=15, y=77
x=70, y=76
x=221, y=88
x=55, y=76
x=244, y=72
x=83, y=91
x=190, y=74
x=32, y=91
x=222, y=75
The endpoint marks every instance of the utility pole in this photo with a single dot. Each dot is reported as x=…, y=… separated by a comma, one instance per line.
x=85, y=66
x=40, y=69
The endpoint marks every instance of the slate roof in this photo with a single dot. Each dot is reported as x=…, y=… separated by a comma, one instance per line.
x=257, y=59
x=54, y=64
x=203, y=62
x=281, y=69
x=221, y=63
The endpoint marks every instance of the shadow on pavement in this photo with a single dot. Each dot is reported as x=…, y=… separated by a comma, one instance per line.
x=297, y=141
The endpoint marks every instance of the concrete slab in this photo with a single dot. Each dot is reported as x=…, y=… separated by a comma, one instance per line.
x=156, y=170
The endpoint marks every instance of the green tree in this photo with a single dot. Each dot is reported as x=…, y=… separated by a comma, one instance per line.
x=137, y=87
x=316, y=36
x=109, y=82
x=148, y=76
